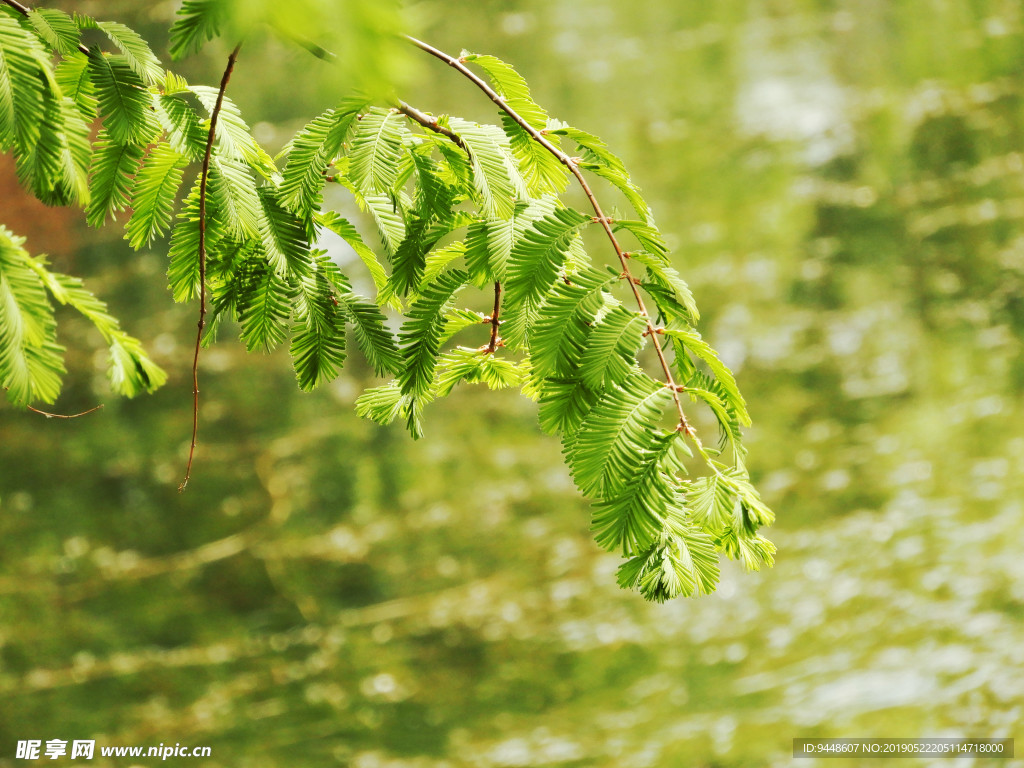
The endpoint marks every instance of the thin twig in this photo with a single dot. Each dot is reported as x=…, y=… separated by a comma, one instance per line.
x=49, y=415
x=24, y=11
x=428, y=122
x=495, y=322
x=203, y=179
x=599, y=214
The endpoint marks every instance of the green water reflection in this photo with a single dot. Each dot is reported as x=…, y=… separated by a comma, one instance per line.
x=843, y=185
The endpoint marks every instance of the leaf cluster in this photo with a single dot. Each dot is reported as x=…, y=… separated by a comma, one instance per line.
x=456, y=207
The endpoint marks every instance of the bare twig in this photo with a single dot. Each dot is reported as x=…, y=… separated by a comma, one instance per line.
x=430, y=123
x=495, y=322
x=599, y=215
x=203, y=179
x=24, y=11
x=49, y=415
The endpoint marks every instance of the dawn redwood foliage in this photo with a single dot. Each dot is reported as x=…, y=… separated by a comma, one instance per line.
x=607, y=346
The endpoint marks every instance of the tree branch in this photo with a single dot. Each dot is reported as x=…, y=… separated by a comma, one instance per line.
x=431, y=124
x=24, y=11
x=49, y=415
x=495, y=322
x=599, y=214
x=203, y=179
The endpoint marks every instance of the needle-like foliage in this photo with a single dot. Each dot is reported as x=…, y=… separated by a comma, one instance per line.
x=440, y=207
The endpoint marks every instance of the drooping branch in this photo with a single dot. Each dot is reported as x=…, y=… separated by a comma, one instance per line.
x=599, y=215
x=203, y=180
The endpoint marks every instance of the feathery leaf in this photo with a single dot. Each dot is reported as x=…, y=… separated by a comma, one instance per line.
x=56, y=28
x=420, y=335
x=533, y=268
x=123, y=99
x=156, y=186
x=113, y=171
x=137, y=53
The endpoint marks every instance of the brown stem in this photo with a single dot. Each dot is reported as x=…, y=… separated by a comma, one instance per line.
x=24, y=11
x=428, y=122
x=203, y=179
x=600, y=217
x=495, y=322
x=49, y=415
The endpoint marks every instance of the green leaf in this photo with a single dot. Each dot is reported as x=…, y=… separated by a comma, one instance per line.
x=562, y=331
x=512, y=87
x=21, y=88
x=317, y=356
x=183, y=271
x=264, y=306
x=232, y=134
x=55, y=167
x=131, y=370
x=631, y=520
x=123, y=100
x=496, y=178
x=347, y=232
x=384, y=404
x=318, y=341
x=703, y=387
x=232, y=192
x=646, y=234
x=156, y=186
x=196, y=22
x=184, y=131
x=283, y=236
x=389, y=222
x=439, y=259
x=669, y=290
x=533, y=268
x=113, y=172
x=682, y=562
x=369, y=325
x=564, y=404
x=312, y=151
x=475, y=366
x=376, y=151
x=619, y=430
x=459, y=320
x=712, y=501
x=542, y=171
x=136, y=51
x=599, y=160
x=612, y=346
x=730, y=509
x=420, y=335
x=72, y=75
x=689, y=340
x=56, y=28
x=489, y=242
x=31, y=360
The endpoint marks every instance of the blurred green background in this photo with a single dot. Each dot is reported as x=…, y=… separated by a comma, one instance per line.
x=842, y=182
